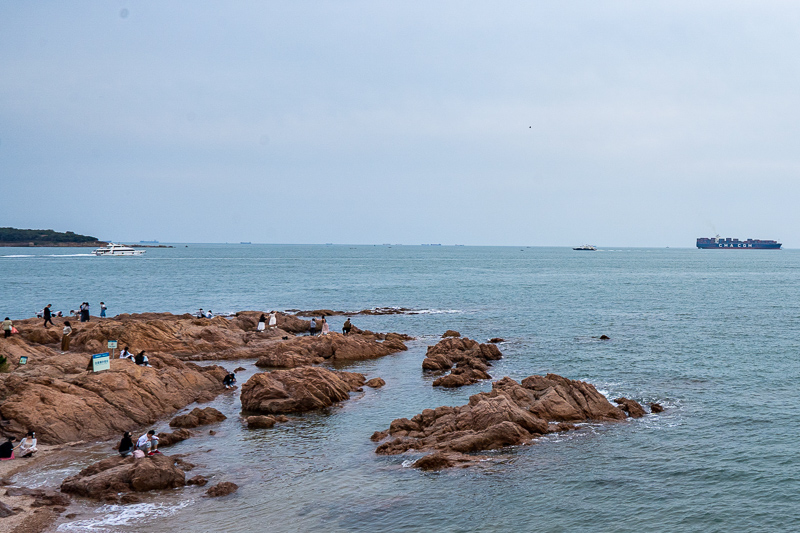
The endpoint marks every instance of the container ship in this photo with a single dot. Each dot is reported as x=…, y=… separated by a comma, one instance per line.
x=718, y=243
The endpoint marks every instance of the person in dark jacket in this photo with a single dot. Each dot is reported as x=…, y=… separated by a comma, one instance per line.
x=7, y=449
x=126, y=445
x=346, y=327
x=141, y=359
x=48, y=317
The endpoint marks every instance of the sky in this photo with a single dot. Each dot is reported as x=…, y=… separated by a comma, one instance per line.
x=479, y=123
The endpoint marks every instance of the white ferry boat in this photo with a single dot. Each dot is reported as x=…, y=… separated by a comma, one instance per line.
x=586, y=247
x=117, y=249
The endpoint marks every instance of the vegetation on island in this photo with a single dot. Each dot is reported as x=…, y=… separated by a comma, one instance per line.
x=44, y=237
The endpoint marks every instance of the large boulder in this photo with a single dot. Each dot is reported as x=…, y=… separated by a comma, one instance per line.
x=511, y=414
x=470, y=359
x=307, y=350
x=62, y=402
x=108, y=478
x=298, y=390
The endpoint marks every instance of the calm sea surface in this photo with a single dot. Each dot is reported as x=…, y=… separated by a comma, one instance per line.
x=712, y=335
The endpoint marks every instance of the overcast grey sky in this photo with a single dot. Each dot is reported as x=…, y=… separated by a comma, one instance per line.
x=508, y=123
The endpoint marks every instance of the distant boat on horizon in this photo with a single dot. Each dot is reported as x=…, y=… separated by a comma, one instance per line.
x=245, y=242
x=718, y=243
x=586, y=247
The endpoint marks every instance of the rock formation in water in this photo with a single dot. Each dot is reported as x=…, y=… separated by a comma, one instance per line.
x=511, y=414
x=222, y=489
x=470, y=358
x=109, y=478
x=298, y=389
x=197, y=417
x=309, y=350
x=375, y=383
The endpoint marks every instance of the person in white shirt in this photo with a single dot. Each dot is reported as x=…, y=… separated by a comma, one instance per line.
x=273, y=320
x=27, y=446
x=209, y=314
x=125, y=354
x=148, y=443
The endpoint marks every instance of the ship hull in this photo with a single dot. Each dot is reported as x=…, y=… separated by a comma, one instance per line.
x=736, y=244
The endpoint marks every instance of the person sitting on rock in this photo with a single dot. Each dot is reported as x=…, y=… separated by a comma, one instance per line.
x=27, y=446
x=7, y=449
x=325, y=327
x=229, y=380
x=346, y=327
x=126, y=354
x=141, y=359
x=209, y=314
x=312, y=329
x=200, y=313
x=125, y=447
x=148, y=443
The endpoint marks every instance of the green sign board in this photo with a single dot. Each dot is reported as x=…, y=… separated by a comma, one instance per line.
x=101, y=361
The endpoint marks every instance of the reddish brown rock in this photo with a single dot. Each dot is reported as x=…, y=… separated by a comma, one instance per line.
x=470, y=358
x=240, y=369
x=298, y=390
x=222, y=489
x=42, y=497
x=260, y=422
x=168, y=439
x=632, y=407
x=200, y=481
x=106, y=479
x=54, y=395
x=496, y=340
x=375, y=383
x=656, y=407
x=308, y=350
x=450, y=333
x=197, y=417
x=511, y=414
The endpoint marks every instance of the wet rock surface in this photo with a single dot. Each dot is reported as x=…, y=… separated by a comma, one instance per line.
x=110, y=477
x=222, y=489
x=197, y=417
x=260, y=422
x=470, y=358
x=168, y=439
x=298, y=390
x=375, y=383
x=511, y=414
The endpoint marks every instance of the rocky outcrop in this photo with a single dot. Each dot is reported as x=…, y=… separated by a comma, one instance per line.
x=631, y=407
x=110, y=477
x=168, y=439
x=260, y=422
x=496, y=340
x=450, y=333
x=197, y=417
x=375, y=383
x=377, y=311
x=200, y=481
x=656, y=407
x=222, y=489
x=470, y=358
x=56, y=397
x=42, y=497
x=298, y=390
x=511, y=414
x=309, y=350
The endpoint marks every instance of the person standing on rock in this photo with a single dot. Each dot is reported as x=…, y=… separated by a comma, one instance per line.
x=312, y=329
x=346, y=327
x=262, y=322
x=103, y=309
x=48, y=317
x=7, y=327
x=66, y=334
x=273, y=320
x=85, y=312
x=325, y=327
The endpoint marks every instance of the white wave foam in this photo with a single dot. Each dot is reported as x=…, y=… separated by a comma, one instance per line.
x=123, y=515
x=434, y=312
x=18, y=255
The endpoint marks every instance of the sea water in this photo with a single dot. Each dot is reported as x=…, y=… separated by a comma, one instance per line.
x=711, y=335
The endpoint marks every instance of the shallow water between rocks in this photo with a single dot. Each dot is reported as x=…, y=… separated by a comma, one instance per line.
x=712, y=335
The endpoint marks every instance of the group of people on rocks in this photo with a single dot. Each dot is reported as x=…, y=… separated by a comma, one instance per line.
x=262, y=321
x=82, y=313
x=325, y=328
x=147, y=444
x=26, y=447
x=206, y=314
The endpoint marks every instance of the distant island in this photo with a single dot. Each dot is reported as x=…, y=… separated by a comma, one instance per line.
x=45, y=237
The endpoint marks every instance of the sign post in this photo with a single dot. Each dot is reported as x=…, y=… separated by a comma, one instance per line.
x=100, y=362
x=23, y=360
x=112, y=345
